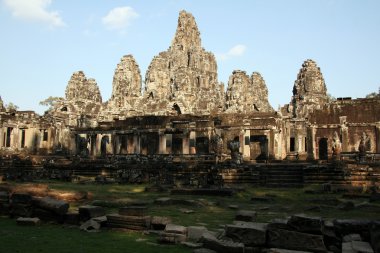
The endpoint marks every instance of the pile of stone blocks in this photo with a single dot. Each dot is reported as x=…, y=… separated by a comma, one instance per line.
x=173, y=234
x=129, y=217
x=298, y=233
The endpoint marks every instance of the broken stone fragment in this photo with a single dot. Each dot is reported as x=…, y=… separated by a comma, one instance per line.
x=90, y=226
x=28, y=221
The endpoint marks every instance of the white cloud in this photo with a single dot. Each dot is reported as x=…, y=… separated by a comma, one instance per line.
x=235, y=51
x=34, y=10
x=119, y=18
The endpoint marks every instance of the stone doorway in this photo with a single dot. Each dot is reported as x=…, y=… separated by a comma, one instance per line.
x=149, y=143
x=323, y=148
x=103, y=145
x=202, y=145
x=258, y=147
x=177, y=148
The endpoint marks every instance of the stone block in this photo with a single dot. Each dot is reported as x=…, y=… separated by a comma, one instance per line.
x=175, y=229
x=90, y=225
x=194, y=233
x=352, y=237
x=28, y=221
x=21, y=198
x=248, y=233
x=356, y=247
x=351, y=226
x=306, y=224
x=159, y=222
x=88, y=212
x=245, y=215
x=203, y=250
x=211, y=242
x=171, y=238
x=72, y=218
x=284, y=239
x=54, y=205
x=163, y=201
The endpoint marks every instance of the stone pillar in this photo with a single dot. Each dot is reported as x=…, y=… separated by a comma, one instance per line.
x=136, y=142
x=192, y=143
x=162, y=143
x=185, y=144
x=311, y=147
x=246, y=147
x=169, y=141
x=344, y=134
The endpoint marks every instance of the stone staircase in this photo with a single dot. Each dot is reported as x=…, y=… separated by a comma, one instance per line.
x=246, y=175
x=282, y=175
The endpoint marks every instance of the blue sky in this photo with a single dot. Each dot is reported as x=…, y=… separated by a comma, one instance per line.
x=44, y=41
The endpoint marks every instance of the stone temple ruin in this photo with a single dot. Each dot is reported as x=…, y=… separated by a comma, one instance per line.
x=184, y=116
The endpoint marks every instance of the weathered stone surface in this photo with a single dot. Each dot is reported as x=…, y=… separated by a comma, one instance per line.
x=87, y=212
x=356, y=247
x=279, y=224
x=81, y=88
x=194, y=233
x=352, y=237
x=183, y=79
x=90, y=226
x=54, y=205
x=286, y=239
x=211, y=242
x=175, y=229
x=350, y=226
x=248, y=233
x=163, y=201
x=247, y=94
x=28, y=221
x=309, y=91
x=126, y=90
x=159, y=223
x=171, y=238
x=21, y=198
x=306, y=224
x=128, y=222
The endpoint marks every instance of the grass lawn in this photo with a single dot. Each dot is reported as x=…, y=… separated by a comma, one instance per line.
x=209, y=211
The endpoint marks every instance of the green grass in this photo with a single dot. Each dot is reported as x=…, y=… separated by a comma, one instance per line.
x=210, y=212
x=58, y=239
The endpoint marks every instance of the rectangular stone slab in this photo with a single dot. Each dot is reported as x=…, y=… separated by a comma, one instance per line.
x=249, y=233
x=285, y=239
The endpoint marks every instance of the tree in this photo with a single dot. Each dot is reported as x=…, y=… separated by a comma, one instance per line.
x=11, y=107
x=50, y=101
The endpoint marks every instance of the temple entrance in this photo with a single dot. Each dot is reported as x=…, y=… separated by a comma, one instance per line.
x=202, y=145
x=103, y=145
x=322, y=145
x=177, y=147
x=149, y=143
x=126, y=144
x=258, y=147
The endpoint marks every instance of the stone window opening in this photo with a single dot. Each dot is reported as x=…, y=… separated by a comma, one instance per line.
x=22, y=138
x=64, y=109
x=292, y=144
x=8, y=137
x=45, y=135
x=177, y=109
